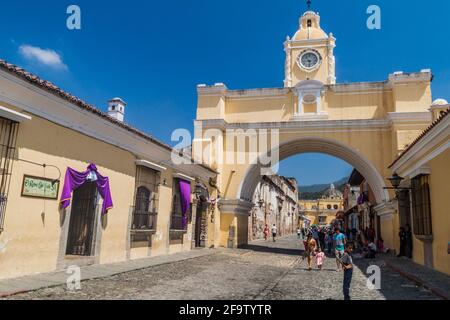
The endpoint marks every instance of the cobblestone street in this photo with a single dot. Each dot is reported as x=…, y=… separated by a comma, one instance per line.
x=260, y=271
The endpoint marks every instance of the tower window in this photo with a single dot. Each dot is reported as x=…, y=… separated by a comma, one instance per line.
x=309, y=23
x=113, y=108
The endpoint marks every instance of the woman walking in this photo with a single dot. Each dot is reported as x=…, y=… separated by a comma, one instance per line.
x=310, y=250
x=266, y=232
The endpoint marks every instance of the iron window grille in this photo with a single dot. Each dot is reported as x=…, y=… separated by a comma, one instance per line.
x=176, y=220
x=145, y=210
x=421, y=206
x=8, y=140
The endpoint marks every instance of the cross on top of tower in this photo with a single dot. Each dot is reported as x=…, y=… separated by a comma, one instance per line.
x=308, y=3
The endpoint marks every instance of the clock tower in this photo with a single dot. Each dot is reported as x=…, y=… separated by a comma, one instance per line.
x=310, y=53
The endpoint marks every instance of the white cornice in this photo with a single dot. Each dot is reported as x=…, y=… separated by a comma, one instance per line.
x=386, y=209
x=235, y=207
x=402, y=117
x=183, y=176
x=150, y=165
x=300, y=125
x=13, y=115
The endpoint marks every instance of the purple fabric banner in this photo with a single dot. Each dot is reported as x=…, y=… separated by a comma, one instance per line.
x=360, y=199
x=75, y=179
x=185, y=191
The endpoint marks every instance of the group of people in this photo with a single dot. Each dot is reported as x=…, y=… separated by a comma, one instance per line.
x=274, y=231
x=314, y=250
x=323, y=237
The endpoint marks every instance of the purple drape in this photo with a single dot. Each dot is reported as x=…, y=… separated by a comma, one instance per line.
x=75, y=179
x=185, y=191
x=360, y=199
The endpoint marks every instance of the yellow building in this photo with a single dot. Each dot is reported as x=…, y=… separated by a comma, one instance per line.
x=322, y=212
x=43, y=132
x=423, y=203
x=366, y=124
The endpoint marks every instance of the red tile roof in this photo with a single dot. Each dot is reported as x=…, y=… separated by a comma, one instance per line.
x=422, y=135
x=50, y=87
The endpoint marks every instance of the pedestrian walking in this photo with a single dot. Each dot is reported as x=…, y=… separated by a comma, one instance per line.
x=329, y=242
x=402, y=236
x=320, y=258
x=322, y=239
x=266, y=232
x=339, y=245
x=347, y=264
x=315, y=234
x=299, y=233
x=310, y=250
x=274, y=232
x=408, y=242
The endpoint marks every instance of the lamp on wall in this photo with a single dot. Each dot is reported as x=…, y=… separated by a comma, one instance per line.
x=396, y=180
x=198, y=190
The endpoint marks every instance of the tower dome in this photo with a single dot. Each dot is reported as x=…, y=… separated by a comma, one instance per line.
x=309, y=27
x=333, y=193
x=440, y=102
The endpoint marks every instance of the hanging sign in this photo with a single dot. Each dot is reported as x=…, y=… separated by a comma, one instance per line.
x=36, y=187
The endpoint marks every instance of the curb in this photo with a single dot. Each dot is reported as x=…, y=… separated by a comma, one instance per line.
x=22, y=291
x=418, y=281
x=10, y=294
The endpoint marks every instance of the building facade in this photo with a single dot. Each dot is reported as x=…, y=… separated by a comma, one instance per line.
x=366, y=124
x=422, y=200
x=123, y=196
x=275, y=201
x=322, y=212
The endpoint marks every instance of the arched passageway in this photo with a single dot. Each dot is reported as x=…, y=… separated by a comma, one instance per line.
x=319, y=145
x=235, y=212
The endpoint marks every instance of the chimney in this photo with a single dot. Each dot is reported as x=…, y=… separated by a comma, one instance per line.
x=116, y=109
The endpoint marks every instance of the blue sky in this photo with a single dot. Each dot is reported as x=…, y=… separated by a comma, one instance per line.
x=154, y=53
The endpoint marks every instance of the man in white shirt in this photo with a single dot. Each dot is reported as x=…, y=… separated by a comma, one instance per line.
x=274, y=232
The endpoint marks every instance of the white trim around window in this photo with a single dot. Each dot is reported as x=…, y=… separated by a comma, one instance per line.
x=151, y=165
x=183, y=176
x=13, y=115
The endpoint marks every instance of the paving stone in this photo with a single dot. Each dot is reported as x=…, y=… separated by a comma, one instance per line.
x=261, y=271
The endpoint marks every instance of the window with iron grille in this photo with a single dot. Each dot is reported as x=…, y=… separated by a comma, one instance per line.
x=176, y=221
x=8, y=138
x=146, y=200
x=421, y=206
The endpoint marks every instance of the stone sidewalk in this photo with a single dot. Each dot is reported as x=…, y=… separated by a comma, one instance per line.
x=436, y=282
x=9, y=287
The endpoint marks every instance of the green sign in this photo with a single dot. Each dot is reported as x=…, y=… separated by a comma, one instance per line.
x=36, y=187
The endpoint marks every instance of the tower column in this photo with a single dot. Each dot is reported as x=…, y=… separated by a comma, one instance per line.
x=319, y=102
x=300, y=109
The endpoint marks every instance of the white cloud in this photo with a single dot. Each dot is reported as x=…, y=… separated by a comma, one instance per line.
x=46, y=57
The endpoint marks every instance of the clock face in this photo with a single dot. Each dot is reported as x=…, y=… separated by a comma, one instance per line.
x=309, y=60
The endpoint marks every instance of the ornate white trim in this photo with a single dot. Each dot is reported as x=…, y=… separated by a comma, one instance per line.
x=235, y=207
x=386, y=210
